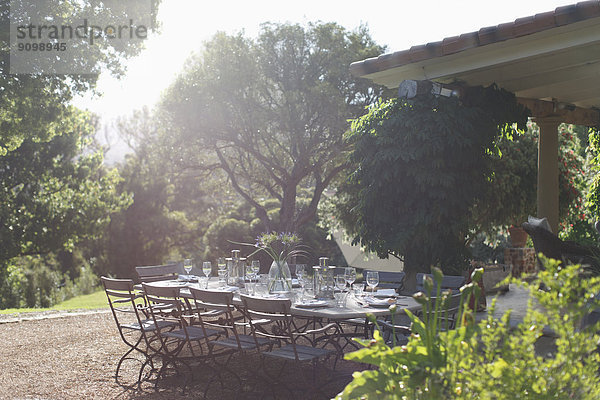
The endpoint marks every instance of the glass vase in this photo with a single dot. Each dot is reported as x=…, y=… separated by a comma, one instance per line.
x=280, y=278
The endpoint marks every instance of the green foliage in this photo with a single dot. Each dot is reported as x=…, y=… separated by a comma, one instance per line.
x=55, y=194
x=269, y=114
x=417, y=168
x=43, y=281
x=511, y=195
x=492, y=359
x=35, y=107
x=593, y=196
x=92, y=301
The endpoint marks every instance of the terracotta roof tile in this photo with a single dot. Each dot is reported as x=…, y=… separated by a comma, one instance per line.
x=488, y=35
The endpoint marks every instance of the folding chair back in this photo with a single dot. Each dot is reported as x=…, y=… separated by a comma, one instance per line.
x=390, y=280
x=164, y=302
x=452, y=282
x=130, y=313
x=213, y=299
x=449, y=308
x=272, y=309
x=224, y=321
x=157, y=272
x=122, y=301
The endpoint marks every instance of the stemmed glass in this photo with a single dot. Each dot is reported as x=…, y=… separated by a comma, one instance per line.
x=207, y=269
x=372, y=280
x=222, y=271
x=301, y=275
x=350, y=275
x=340, y=282
x=187, y=266
x=251, y=275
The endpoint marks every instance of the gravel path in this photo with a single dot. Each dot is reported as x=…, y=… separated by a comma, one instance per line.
x=75, y=356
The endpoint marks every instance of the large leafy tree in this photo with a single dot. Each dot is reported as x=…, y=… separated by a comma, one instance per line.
x=54, y=194
x=36, y=106
x=169, y=212
x=269, y=114
x=53, y=189
x=418, y=168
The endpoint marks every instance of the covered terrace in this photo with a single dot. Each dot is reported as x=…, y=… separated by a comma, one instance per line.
x=551, y=61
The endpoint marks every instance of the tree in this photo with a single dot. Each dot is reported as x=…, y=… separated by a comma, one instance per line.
x=53, y=188
x=270, y=113
x=55, y=194
x=418, y=168
x=35, y=106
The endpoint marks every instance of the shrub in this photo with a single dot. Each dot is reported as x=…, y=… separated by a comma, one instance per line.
x=490, y=359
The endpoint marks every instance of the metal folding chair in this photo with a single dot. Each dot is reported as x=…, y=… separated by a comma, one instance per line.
x=183, y=346
x=396, y=331
x=135, y=326
x=445, y=318
x=452, y=282
x=296, y=347
x=229, y=322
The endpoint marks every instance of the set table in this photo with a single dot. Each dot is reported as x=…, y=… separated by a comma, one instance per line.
x=354, y=307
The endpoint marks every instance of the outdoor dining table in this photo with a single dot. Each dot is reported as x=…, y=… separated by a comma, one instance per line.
x=355, y=307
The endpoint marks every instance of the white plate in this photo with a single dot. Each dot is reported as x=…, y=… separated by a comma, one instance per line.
x=385, y=293
x=372, y=302
x=229, y=289
x=312, y=304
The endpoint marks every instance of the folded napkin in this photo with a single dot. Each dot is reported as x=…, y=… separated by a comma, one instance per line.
x=188, y=278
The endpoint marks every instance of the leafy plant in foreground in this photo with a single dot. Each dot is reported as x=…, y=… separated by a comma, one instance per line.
x=493, y=359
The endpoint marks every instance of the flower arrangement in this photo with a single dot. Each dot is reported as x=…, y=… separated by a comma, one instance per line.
x=280, y=247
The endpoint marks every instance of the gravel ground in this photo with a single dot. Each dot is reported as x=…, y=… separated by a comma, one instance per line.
x=74, y=356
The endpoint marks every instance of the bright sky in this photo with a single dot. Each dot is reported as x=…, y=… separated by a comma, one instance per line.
x=186, y=24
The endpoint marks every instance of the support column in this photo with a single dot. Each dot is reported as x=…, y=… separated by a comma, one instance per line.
x=547, y=190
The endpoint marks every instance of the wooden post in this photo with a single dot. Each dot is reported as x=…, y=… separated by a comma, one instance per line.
x=547, y=191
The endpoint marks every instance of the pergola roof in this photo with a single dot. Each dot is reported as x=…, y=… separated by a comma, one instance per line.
x=551, y=61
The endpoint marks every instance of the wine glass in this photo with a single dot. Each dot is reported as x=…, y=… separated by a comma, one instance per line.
x=206, y=268
x=350, y=275
x=187, y=266
x=372, y=280
x=250, y=275
x=301, y=275
x=221, y=265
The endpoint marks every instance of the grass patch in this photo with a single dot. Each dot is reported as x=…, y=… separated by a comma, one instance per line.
x=88, y=301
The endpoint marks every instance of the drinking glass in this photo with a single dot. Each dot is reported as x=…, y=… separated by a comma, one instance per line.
x=222, y=277
x=301, y=275
x=340, y=282
x=221, y=265
x=262, y=285
x=250, y=275
x=350, y=275
x=187, y=266
x=340, y=297
x=372, y=280
x=256, y=267
x=206, y=268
